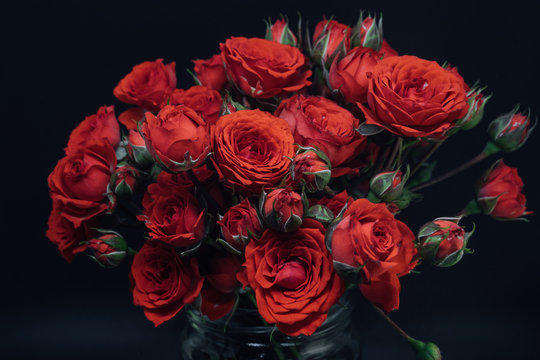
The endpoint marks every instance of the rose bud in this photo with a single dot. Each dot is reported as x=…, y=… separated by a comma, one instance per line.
x=349, y=75
x=230, y=106
x=499, y=193
x=442, y=242
x=477, y=103
x=211, y=73
x=205, y=101
x=282, y=209
x=320, y=213
x=387, y=186
x=281, y=33
x=238, y=225
x=510, y=131
x=148, y=85
x=368, y=33
x=330, y=39
x=124, y=179
x=137, y=150
x=177, y=137
x=311, y=169
x=109, y=249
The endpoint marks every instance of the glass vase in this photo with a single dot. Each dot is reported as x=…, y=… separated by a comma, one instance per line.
x=244, y=337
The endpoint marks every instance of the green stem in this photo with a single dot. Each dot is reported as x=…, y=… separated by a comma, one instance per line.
x=395, y=326
x=395, y=150
x=452, y=172
x=425, y=158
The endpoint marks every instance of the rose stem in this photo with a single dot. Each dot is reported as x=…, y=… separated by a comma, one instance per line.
x=397, y=146
x=425, y=158
x=328, y=190
x=277, y=349
x=392, y=323
x=380, y=161
x=204, y=192
x=452, y=172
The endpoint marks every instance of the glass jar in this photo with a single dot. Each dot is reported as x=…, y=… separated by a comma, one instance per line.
x=244, y=338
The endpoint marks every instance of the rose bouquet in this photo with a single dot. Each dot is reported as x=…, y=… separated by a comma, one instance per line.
x=276, y=181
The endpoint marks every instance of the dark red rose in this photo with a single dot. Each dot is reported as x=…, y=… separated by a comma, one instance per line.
x=62, y=233
x=100, y=126
x=413, y=97
x=108, y=249
x=264, y=68
x=239, y=224
x=177, y=137
x=370, y=238
x=218, y=295
x=293, y=278
x=173, y=215
x=162, y=281
x=251, y=150
x=205, y=101
x=319, y=122
x=500, y=192
x=80, y=181
x=211, y=73
x=148, y=85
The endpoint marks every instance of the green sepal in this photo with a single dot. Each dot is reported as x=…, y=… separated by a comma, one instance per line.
x=349, y=273
x=228, y=247
x=320, y=213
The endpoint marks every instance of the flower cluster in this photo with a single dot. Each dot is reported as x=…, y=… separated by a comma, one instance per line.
x=279, y=176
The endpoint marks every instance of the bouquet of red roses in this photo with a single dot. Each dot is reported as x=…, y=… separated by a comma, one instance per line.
x=278, y=178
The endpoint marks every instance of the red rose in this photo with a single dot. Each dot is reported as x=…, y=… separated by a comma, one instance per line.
x=148, y=85
x=264, y=68
x=173, y=214
x=137, y=151
x=239, y=224
x=386, y=50
x=350, y=74
x=217, y=295
x=499, y=192
x=205, y=101
x=369, y=237
x=310, y=169
x=108, y=249
x=413, y=97
x=100, y=126
x=319, y=122
x=131, y=118
x=177, y=137
x=283, y=210
x=80, y=181
x=251, y=150
x=281, y=33
x=63, y=234
x=162, y=281
x=331, y=37
x=211, y=73
x=293, y=278
x=124, y=180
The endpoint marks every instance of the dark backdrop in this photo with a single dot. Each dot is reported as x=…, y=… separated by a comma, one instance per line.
x=63, y=60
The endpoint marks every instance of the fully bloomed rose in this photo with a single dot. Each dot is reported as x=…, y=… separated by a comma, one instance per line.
x=413, y=97
x=205, y=101
x=148, y=85
x=293, y=278
x=62, y=233
x=320, y=122
x=500, y=193
x=264, y=68
x=79, y=182
x=370, y=238
x=217, y=295
x=102, y=125
x=251, y=150
x=162, y=281
x=350, y=74
x=177, y=137
x=239, y=224
x=173, y=214
x=211, y=73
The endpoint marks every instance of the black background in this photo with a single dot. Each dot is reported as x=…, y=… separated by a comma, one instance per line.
x=63, y=60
